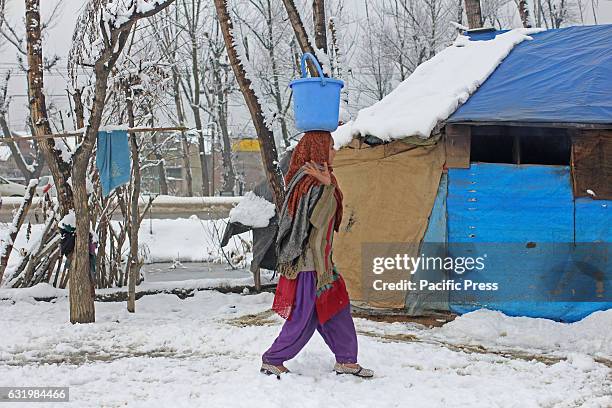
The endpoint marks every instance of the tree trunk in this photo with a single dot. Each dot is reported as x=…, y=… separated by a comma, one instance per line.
x=474, y=15
x=300, y=33
x=266, y=138
x=184, y=143
x=524, y=13
x=318, y=17
x=79, y=111
x=195, y=107
x=59, y=168
x=229, y=176
x=133, y=261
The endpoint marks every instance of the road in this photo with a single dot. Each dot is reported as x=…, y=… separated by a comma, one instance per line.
x=165, y=272
x=163, y=208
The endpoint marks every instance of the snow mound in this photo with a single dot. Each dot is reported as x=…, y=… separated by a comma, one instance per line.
x=253, y=211
x=434, y=90
x=591, y=335
x=40, y=290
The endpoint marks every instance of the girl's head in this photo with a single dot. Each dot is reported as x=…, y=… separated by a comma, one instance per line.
x=316, y=146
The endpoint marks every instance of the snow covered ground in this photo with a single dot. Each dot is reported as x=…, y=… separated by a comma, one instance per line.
x=188, y=240
x=205, y=351
x=161, y=240
x=160, y=200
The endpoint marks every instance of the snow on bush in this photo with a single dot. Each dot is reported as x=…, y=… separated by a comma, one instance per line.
x=434, y=90
x=69, y=220
x=253, y=211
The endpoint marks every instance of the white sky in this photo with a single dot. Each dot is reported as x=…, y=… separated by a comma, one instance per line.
x=61, y=35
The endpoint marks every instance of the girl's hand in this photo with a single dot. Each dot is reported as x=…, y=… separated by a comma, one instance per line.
x=312, y=169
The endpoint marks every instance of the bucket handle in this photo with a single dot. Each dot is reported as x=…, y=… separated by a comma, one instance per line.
x=314, y=61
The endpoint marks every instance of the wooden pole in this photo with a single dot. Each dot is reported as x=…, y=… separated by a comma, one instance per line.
x=257, y=279
x=18, y=220
x=75, y=134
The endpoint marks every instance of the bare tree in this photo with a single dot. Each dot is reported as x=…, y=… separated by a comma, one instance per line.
x=166, y=30
x=301, y=35
x=265, y=135
x=558, y=12
x=555, y=13
x=192, y=82
x=219, y=83
x=399, y=36
x=11, y=34
x=498, y=13
x=115, y=25
x=376, y=80
x=266, y=24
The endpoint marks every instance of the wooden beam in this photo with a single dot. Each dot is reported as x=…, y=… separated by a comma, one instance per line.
x=564, y=125
x=458, y=144
x=75, y=134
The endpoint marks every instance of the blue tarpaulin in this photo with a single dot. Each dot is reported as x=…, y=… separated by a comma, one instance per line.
x=549, y=255
x=561, y=76
x=113, y=159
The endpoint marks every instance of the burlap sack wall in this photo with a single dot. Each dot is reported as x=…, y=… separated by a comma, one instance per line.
x=389, y=191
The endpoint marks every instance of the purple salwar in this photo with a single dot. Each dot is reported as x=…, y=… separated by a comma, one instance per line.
x=338, y=332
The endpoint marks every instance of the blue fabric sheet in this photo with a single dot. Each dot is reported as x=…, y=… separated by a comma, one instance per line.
x=497, y=209
x=113, y=159
x=562, y=76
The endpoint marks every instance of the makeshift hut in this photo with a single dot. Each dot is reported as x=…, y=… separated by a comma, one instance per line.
x=498, y=149
x=520, y=175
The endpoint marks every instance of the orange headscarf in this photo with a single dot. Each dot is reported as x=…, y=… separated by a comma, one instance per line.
x=314, y=146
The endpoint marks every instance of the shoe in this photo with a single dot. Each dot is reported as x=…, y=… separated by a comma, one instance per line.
x=269, y=369
x=356, y=371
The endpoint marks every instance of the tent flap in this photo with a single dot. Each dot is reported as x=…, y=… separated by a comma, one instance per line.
x=389, y=192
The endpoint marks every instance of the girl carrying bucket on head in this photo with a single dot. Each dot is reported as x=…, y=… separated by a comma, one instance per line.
x=311, y=294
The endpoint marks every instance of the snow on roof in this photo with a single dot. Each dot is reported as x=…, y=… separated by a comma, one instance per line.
x=562, y=76
x=434, y=90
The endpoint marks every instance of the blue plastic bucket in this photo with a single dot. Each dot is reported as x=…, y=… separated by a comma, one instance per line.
x=316, y=101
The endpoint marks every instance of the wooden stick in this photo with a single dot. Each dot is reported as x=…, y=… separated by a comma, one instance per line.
x=74, y=134
x=18, y=220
